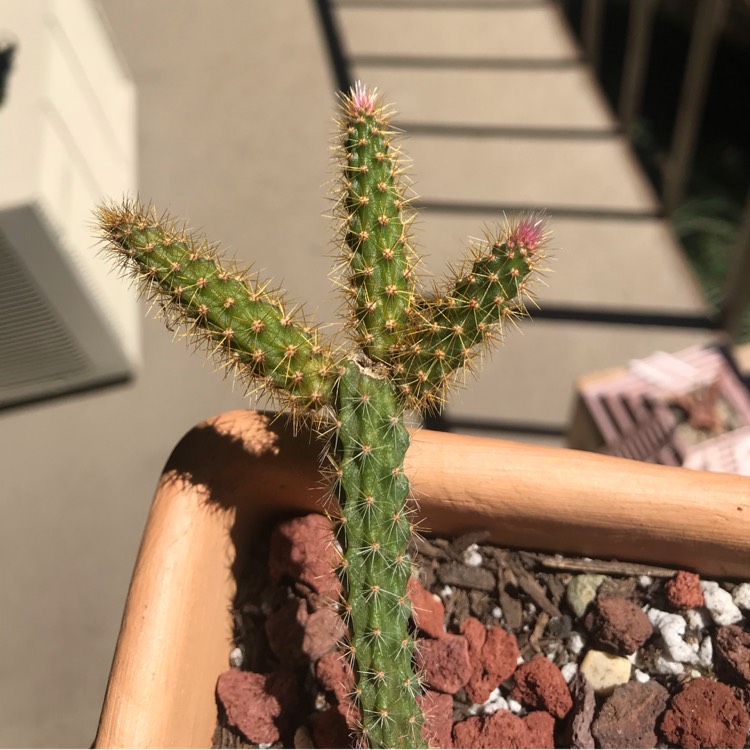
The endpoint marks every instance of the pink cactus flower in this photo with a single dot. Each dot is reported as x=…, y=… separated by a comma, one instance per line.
x=528, y=234
x=362, y=100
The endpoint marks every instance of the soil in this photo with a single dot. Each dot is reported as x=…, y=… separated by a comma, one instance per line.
x=519, y=649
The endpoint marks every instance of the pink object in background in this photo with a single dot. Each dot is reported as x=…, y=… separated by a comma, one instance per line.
x=687, y=409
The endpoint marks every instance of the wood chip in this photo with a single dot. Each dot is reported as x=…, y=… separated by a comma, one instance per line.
x=427, y=549
x=457, y=607
x=458, y=574
x=461, y=543
x=480, y=604
x=541, y=623
x=445, y=546
x=512, y=609
x=531, y=587
x=555, y=587
x=603, y=566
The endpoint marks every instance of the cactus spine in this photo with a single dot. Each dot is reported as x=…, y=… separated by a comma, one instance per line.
x=408, y=350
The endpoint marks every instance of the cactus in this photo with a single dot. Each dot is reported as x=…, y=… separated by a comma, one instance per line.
x=408, y=348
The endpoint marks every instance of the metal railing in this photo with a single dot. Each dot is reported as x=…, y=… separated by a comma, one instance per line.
x=708, y=23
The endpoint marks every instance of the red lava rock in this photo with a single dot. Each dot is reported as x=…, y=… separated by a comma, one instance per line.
x=285, y=629
x=618, y=625
x=437, y=709
x=323, y=631
x=335, y=675
x=259, y=705
x=628, y=717
x=302, y=548
x=428, y=612
x=578, y=726
x=541, y=726
x=705, y=714
x=733, y=650
x=743, y=696
x=683, y=591
x=445, y=662
x=475, y=634
x=494, y=663
x=540, y=684
x=329, y=729
x=502, y=729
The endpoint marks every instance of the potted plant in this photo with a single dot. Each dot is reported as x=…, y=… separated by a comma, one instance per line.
x=229, y=475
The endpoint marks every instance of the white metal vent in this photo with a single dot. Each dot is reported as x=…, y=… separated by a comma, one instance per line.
x=67, y=141
x=35, y=344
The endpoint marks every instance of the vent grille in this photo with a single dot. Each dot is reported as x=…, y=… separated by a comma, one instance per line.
x=35, y=344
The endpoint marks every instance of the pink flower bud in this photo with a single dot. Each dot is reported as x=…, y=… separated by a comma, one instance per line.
x=528, y=234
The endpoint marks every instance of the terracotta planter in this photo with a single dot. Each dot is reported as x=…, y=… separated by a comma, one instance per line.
x=233, y=473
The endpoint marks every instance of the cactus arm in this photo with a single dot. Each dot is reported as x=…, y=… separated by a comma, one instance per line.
x=241, y=321
x=376, y=248
x=447, y=331
x=374, y=531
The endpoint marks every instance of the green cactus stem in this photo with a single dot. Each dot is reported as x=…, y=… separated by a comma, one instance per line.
x=407, y=349
x=246, y=325
x=376, y=244
x=374, y=531
x=448, y=330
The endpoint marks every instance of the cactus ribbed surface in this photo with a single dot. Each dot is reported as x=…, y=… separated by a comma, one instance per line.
x=447, y=330
x=376, y=245
x=245, y=324
x=407, y=349
x=374, y=531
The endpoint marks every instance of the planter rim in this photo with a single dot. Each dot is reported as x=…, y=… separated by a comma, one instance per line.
x=230, y=474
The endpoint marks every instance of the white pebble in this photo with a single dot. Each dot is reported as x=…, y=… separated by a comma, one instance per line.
x=472, y=557
x=665, y=666
x=514, y=706
x=497, y=613
x=236, y=657
x=706, y=653
x=641, y=676
x=741, y=596
x=494, y=703
x=569, y=671
x=696, y=619
x=265, y=745
x=672, y=628
x=695, y=674
x=576, y=643
x=719, y=604
x=446, y=592
x=519, y=660
x=645, y=581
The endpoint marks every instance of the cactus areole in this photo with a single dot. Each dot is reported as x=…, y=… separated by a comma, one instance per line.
x=406, y=348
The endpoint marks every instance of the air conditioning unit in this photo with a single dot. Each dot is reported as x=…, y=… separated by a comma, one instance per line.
x=67, y=140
